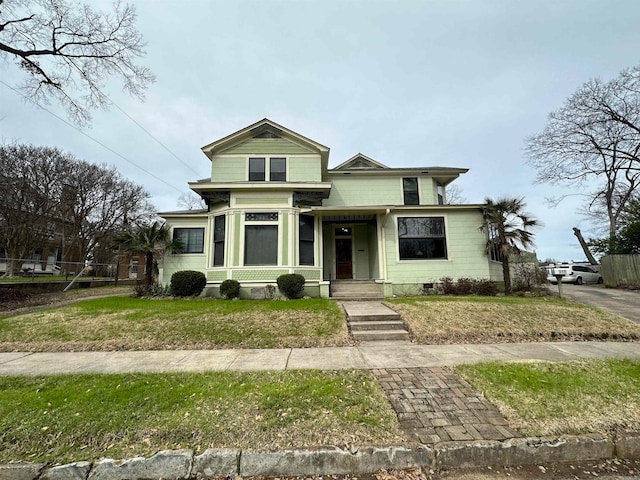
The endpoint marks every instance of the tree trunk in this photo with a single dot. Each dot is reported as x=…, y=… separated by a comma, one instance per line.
x=148, y=269
x=584, y=246
x=506, y=274
x=13, y=267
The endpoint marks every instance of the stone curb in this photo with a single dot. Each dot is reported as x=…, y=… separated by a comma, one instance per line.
x=183, y=464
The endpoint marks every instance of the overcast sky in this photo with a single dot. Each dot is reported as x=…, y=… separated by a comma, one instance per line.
x=407, y=83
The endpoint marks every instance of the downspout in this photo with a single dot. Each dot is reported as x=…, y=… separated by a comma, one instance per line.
x=383, y=259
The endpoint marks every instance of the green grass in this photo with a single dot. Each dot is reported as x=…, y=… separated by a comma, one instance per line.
x=73, y=417
x=473, y=319
x=143, y=324
x=544, y=398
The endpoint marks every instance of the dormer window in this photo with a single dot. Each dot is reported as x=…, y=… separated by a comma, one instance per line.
x=272, y=169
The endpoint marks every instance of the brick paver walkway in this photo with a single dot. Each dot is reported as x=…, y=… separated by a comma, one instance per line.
x=435, y=405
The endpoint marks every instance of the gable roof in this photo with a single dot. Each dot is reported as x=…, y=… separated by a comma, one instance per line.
x=266, y=128
x=358, y=162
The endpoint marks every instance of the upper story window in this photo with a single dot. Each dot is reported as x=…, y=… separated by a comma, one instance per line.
x=271, y=169
x=410, y=191
x=256, y=169
x=440, y=194
x=278, y=169
x=191, y=239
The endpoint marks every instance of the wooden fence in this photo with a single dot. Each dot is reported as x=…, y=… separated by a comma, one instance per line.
x=620, y=270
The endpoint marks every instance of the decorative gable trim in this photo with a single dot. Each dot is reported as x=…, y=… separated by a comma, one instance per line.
x=266, y=134
x=265, y=129
x=360, y=162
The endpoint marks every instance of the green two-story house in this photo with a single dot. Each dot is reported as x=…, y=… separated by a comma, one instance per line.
x=274, y=207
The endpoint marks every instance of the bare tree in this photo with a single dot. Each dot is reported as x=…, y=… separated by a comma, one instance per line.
x=97, y=203
x=595, y=135
x=454, y=195
x=68, y=51
x=191, y=201
x=30, y=193
x=46, y=192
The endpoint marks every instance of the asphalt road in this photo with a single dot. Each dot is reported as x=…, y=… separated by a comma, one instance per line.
x=625, y=303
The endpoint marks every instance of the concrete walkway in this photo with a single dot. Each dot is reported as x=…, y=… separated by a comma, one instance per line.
x=366, y=356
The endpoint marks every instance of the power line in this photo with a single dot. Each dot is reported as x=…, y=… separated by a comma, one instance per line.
x=70, y=61
x=157, y=141
x=91, y=138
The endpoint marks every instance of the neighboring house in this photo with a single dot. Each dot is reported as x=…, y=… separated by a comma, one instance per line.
x=274, y=207
x=131, y=266
x=48, y=258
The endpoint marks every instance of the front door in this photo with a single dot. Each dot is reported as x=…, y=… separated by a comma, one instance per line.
x=344, y=259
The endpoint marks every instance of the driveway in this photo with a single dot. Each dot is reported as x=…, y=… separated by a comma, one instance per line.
x=625, y=303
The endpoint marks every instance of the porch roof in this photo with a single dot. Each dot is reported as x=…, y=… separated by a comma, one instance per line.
x=385, y=209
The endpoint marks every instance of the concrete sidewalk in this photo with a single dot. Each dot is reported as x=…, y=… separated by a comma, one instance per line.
x=365, y=356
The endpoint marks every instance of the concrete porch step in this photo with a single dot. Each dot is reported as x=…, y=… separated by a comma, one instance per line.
x=380, y=325
x=357, y=297
x=381, y=317
x=380, y=335
x=355, y=290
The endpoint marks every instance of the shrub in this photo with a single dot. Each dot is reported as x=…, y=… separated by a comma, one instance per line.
x=528, y=276
x=486, y=288
x=464, y=286
x=448, y=287
x=291, y=285
x=139, y=290
x=230, y=289
x=468, y=286
x=158, y=290
x=187, y=283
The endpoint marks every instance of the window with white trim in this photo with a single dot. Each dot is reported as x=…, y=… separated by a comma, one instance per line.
x=305, y=240
x=269, y=169
x=410, y=191
x=261, y=238
x=219, y=229
x=191, y=239
x=421, y=238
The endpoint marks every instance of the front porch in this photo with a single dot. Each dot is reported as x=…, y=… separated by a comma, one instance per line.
x=351, y=247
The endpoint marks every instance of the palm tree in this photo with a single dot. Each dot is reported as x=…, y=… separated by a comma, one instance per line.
x=507, y=225
x=151, y=241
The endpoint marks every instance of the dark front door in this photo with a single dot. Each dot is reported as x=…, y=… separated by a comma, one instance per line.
x=344, y=260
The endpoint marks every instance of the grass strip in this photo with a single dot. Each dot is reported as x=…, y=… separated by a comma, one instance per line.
x=439, y=320
x=543, y=398
x=125, y=323
x=74, y=417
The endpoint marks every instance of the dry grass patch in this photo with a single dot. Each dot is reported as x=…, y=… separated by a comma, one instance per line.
x=542, y=398
x=437, y=320
x=123, y=323
x=74, y=417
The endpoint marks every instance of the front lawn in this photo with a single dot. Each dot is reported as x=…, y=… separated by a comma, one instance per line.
x=437, y=320
x=74, y=417
x=556, y=398
x=124, y=323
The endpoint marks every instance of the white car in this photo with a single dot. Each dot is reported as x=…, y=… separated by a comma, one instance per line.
x=577, y=274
